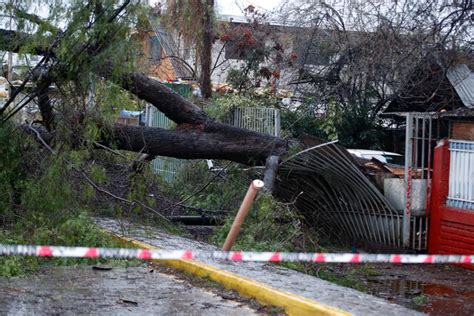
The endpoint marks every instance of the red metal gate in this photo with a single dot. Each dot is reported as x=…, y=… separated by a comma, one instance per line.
x=451, y=228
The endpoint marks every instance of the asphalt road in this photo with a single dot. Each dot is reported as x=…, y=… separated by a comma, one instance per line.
x=120, y=291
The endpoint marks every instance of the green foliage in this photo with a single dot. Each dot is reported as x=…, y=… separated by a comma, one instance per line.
x=420, y=300
x=353, y=125
x=86, y=36
x=222, y=105
x=10, y=171
x=251, y=75
x=348, y=279
x=237, y=78
x=222, y=192
x=112, y=98
x=270, y=226
x=97, y=174
x=17, y=266
x=72, y=231
x=302, y=119
x=39, y=204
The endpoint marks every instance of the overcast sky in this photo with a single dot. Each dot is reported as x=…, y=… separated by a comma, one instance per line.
x=235, y=7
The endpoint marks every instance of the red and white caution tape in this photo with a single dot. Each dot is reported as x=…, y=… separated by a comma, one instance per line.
x=147, y=254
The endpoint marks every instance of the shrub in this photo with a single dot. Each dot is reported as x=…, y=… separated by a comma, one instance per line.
x=38, y=203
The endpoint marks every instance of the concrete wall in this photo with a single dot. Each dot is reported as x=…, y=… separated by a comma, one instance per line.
x=394, y=191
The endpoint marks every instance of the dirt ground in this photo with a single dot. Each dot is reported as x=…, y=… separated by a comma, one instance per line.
x=432, y=289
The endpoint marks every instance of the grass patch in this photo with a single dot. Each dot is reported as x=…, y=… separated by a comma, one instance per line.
x=43, y=202
x=77, y=231
x=420, y=300
x=345, y=277
x=270, y=225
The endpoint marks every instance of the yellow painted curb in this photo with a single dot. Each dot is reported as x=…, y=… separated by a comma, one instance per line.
x=291, y=303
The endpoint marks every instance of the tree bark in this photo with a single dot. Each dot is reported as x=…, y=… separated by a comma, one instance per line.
x=45, y=106
x=271, y=169
x=218, y=142
x=13, y=41
x=174, y=106
x=206, y=49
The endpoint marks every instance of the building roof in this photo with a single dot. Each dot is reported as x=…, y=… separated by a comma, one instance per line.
x=462, y=79
x=458, y=114
x=431, y=88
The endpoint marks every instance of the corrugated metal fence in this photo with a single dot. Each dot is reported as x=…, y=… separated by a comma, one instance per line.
x=461, y=174
x=334, y=195
x=263, y=120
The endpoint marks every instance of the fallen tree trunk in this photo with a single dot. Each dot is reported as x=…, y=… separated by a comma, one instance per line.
x=174, y=106
x=217, y=141
x=271, y=169
x=197, y=136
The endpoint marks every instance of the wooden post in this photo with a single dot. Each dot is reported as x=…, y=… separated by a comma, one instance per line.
x=255, y=186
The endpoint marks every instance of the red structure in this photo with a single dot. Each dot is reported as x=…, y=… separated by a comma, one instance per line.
x=451, y=229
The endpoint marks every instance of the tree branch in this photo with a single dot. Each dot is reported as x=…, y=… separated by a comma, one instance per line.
x=89, y=180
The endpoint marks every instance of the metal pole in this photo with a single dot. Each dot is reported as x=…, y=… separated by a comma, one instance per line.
x=277, y=123
x=408, y=174
x=428, y=175
x=423, y=132
x=255, y=186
